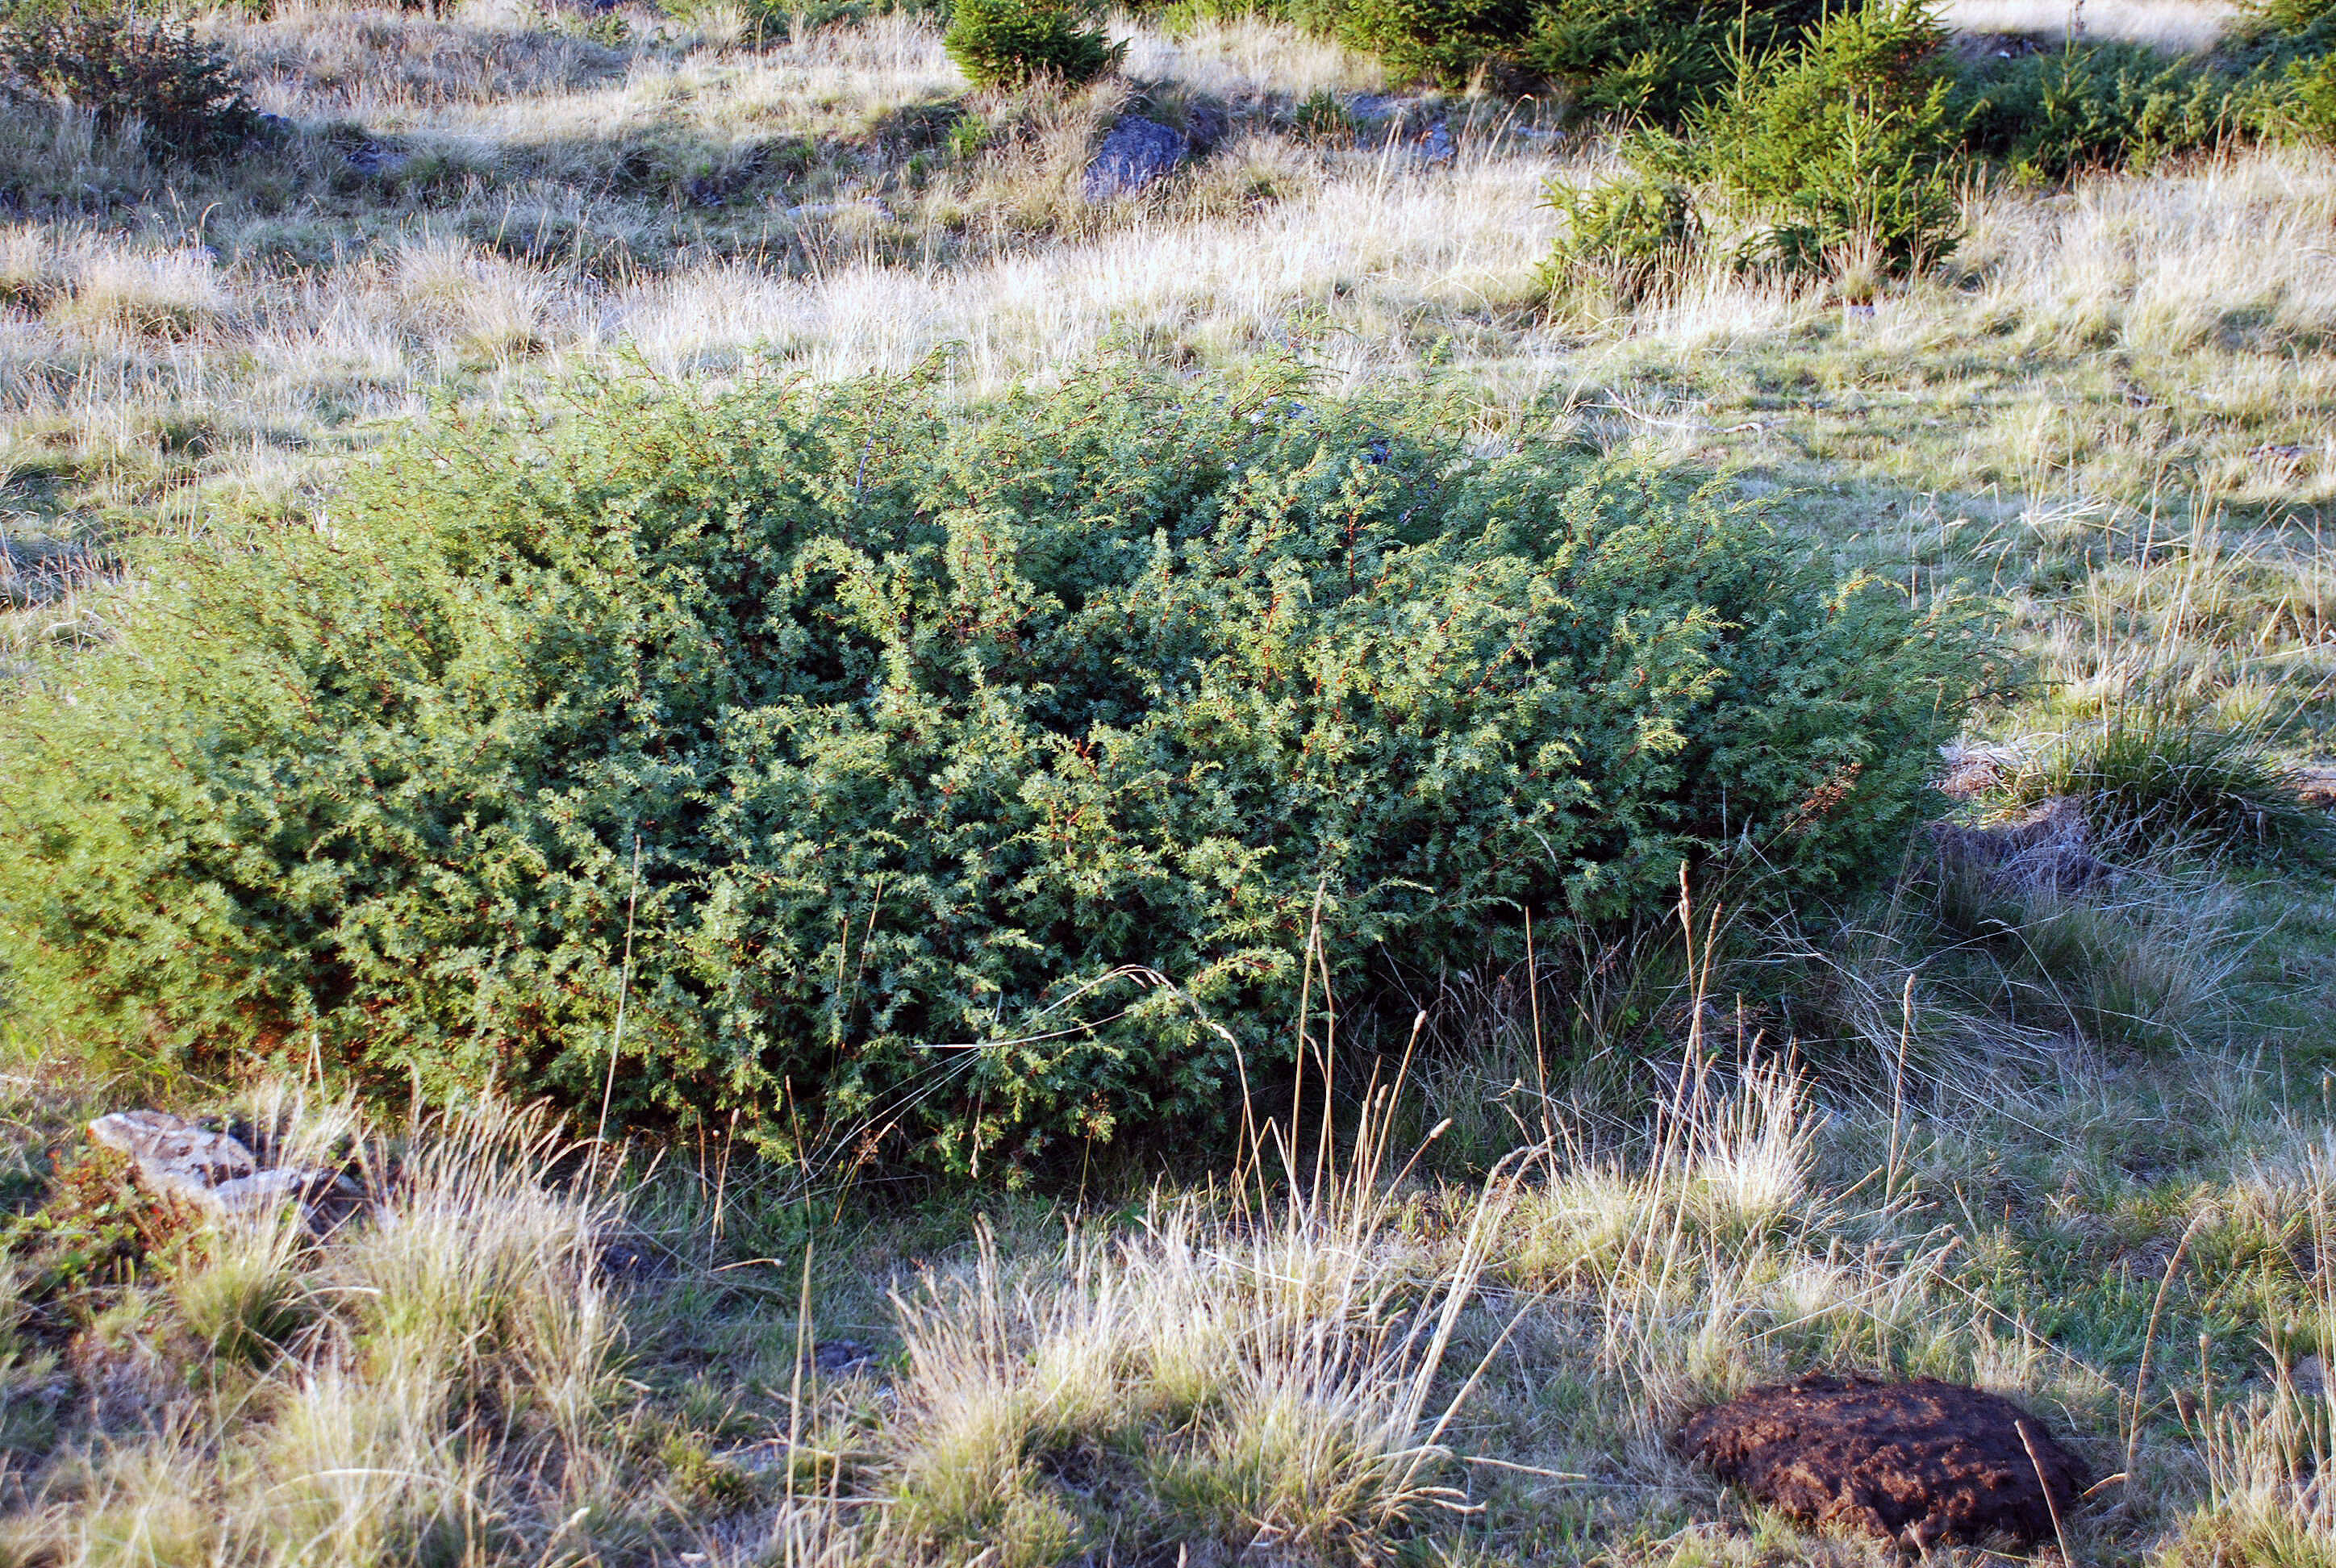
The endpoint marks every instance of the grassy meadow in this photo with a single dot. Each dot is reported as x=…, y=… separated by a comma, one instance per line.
x=2070, y=1140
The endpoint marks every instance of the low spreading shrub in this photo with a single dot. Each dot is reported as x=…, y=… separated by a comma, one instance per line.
x=1005, y=44
x=2049, y=116
x=2288, y=48
x=1657, y=60
x=2312, y=87
x=1442, y=41
x=121, y=67
x=977, y=779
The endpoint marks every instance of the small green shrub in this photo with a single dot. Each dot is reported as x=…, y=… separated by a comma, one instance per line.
x=1442, y=41
x=1848, y=145
x=123, y=67
x=2312, y=88
x=1005, y=44
x=1657, y=60
x=2282, y=57
x=2048, y=116
x=1323, y=116
x=2291, y=45
x=970, y=781
x=1652, y=61
x=1625, y=241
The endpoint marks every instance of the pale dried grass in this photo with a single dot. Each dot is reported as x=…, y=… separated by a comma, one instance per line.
x=2177, y=25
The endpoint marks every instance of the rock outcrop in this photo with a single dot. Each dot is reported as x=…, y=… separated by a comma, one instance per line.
x=1137, y=153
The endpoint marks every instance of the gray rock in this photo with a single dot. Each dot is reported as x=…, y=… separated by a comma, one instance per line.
x=1206, y=125
x=1136, y=154
x=1379, y=108
x=174, y=1156
x=214, y=1172
x=265, y=1192
x=373, y=158
x=1435, y=147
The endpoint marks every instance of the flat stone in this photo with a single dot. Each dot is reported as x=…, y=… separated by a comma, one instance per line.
x=263, y=1191
x=174, y=1156
x=1136, y=154
x=211, y=1171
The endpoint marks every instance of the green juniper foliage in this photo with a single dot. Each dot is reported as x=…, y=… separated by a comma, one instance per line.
x=2049, y=115
x=1435, y=40
x=1657, y=60
x=944, y=742
x=2287, y=51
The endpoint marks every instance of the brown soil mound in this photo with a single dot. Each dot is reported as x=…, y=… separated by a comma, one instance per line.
x=1921, y=1462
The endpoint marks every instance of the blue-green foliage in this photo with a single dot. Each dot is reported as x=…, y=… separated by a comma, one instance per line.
x=925, y=726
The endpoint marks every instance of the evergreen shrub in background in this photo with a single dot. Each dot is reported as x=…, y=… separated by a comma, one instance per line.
x=1658, y=60
x=1840, y=154
x=121, y=67
x=940, y=740
x=1007, y=44
x=2107, y=105
x=2061, y=112
x=1850, y=144
x=1651, y=59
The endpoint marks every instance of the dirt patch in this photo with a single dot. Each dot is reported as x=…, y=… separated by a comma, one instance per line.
x=1921, y=1462
x=2315, y=784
